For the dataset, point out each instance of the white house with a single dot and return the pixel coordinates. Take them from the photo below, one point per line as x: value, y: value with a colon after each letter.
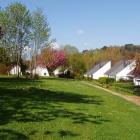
x: 57, y: 71
x: 122, y: 70
x: 99, y: 70
x: 41, y: 71
x: 136, y: 81
x: 15, y: 70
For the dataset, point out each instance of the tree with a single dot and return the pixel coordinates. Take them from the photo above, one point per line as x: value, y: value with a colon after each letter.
x: 51, y: 59
x: 69, y: 49
x: 4, y: 61
x: 4, y: 56
x: 16, y: 24
x: 40, y: 32
x: 76, y: 64
x: 1, y: 33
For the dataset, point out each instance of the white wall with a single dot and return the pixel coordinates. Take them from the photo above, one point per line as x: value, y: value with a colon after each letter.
x: 56, y: 72
x: 124, y: 73
x: 136, y: 81
x: 41, y: 71
x: 101, y: 72
x: 14, y: 70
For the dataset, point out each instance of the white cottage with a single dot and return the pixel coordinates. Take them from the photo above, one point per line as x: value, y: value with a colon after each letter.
x: 122, y: 70
x: 99, y: 70
x: 56, y: 72
x: 15, y: 70
x: 136, y: 81
x: 41, y: 71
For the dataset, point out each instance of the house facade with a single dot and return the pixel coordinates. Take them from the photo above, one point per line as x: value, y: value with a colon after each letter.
x: 122, y: 70
x: 98, y: 70
x: 136, y: 81
x: 41, y: 71
x: 57, y: 71
x: 15, y: 70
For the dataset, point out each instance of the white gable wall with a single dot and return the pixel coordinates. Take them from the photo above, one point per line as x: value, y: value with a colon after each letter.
x: 136, y: 81
x: 124, y: 73
x: 41, y: 71
x: 14, y: 70
x: 101, y: 72
x: 56, y: 72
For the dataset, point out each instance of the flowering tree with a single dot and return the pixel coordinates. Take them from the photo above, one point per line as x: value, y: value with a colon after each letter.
x: 51, y: 59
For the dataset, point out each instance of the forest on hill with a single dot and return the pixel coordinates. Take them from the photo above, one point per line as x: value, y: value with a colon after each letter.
x: 113, y: 53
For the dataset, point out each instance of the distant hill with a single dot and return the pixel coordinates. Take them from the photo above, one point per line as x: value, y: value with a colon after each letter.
x: 114, y: 53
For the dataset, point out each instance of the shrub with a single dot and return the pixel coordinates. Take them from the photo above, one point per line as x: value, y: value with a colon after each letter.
x: 124, y: 80
x: 78, y: 76
x: 110, y: 80
x: 4, y: 69
x: 106, y: 80
x: 66, y: 75
x: 27, y: 75
x: 36, y: 76
x: 87, y: 78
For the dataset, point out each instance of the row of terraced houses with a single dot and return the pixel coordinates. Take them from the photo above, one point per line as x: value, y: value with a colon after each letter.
x: 124, y: 69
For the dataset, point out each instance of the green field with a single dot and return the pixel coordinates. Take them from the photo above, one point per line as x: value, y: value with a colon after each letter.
x: 57, y: 109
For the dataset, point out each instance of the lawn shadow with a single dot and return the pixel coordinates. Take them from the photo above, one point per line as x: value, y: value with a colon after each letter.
x: 63, y: 133
x: 7, y: 134
x: 32, y: 104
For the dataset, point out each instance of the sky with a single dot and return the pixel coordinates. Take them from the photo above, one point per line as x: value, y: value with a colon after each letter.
x: 89, y: 24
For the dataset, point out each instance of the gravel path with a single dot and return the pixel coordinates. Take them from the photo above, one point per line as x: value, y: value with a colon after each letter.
x: 133, y: 99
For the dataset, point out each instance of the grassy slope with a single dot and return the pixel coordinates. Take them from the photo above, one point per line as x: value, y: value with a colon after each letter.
x: 126, y: 88
x: 64, y: 109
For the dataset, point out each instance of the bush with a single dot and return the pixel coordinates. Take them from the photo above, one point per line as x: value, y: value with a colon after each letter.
x: 137, y: 91
x: 78, y: 76
x: 110, y: 80
x: 87, y: 78
x: 36, y: 76
x: 68, y: 74
x: 106, y: 80
x: 4, y: 69
x: 124, y: 80
x: 27, y: 75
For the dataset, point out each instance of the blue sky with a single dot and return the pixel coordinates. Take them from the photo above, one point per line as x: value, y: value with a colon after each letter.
x: 90, y: 23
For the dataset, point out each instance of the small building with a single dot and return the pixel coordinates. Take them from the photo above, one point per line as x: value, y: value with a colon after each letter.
x: 136, y: 81
x: 98, y: 70
x: 15, y: 70
x: 57, y: 72
x: 41, y: 71
x: 122, y: 70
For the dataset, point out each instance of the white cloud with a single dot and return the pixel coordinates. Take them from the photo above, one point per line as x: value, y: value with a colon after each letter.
x: 86, y: 44
x: 80, y: 32
x: 55, y: 45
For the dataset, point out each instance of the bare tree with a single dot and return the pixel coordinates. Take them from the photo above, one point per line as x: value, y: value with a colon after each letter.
x: 40, y: 32
x: 16, y: 21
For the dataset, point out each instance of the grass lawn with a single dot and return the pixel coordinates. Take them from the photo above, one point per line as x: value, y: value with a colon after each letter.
x: 57, y: 109
x: 126, y: 88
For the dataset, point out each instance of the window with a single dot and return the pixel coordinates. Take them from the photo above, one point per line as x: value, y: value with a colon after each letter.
x: 44, y: 73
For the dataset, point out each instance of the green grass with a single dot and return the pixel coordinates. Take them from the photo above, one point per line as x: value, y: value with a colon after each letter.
x: 126, y: 88
x: 57, y: 109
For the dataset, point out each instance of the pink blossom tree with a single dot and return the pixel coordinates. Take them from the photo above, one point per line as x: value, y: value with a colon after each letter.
x: 51, y: 59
